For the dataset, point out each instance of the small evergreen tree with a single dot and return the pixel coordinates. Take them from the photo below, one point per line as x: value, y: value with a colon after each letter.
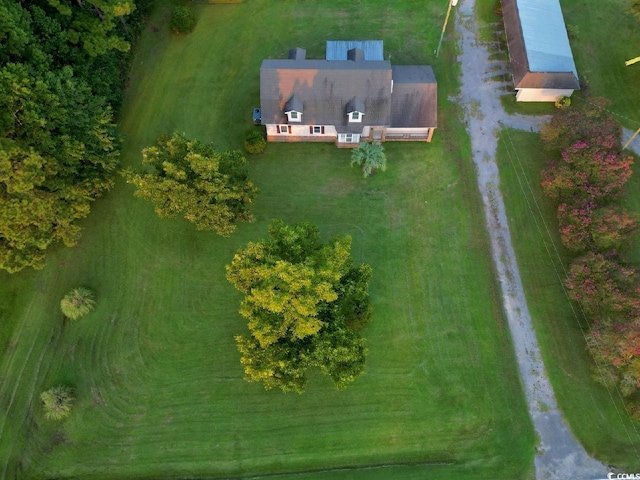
x: 58, y: 402
x: 254, y: 142
x: 371, y: 156
x: 183, y: 20
x: 77, y: 303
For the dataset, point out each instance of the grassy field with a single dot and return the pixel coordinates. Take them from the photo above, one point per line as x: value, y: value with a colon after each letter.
x: 159, y: 384
x: 596, y: 415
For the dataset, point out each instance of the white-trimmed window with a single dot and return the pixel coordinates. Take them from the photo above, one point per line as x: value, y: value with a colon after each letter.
x: 348, y: 137
x: 294, y: 116
x: 355, y: 117
x: 283, y: 128
x: 316, y: 129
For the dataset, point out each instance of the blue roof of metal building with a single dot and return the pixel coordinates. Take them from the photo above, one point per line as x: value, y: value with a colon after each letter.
x: 545, y: 36
x: 337, y: 49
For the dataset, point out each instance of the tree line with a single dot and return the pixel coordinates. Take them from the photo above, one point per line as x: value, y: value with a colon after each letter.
x: 63, y: 65
x: 586, y: 177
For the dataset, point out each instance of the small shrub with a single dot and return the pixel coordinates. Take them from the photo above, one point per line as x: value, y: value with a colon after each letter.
x: 254, y: 142
x: 77, y: 303
x: 57, y: 402
x: 573, y: 31
x: 563, y: 102
x: 183, y: 20
x: 371, y: 156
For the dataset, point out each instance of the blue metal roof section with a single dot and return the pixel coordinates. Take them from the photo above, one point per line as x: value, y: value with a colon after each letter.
x: 545, y: 36
x: 337, y: 49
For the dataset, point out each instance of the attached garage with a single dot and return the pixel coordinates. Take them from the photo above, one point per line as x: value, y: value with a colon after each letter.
x: 541, y: 59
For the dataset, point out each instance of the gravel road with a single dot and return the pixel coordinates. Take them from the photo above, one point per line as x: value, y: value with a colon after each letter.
x: 559, y: 456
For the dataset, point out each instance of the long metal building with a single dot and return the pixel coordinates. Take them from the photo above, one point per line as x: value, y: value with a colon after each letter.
x: 541, y: 60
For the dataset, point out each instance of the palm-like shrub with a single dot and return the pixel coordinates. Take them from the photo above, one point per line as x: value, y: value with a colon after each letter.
x: 77, y: 303
x: 58, y: 402
x: 371, y: 156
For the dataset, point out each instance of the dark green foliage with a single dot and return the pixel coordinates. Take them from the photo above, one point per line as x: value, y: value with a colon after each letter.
x: 191, y: 178
x: 57, y: 154
x: 254, y: 142
x: 62, y: 65
x: 301, y: 297
x: 183, y: 20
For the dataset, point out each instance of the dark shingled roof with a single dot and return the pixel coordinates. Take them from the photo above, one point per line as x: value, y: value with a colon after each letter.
x: 294, y: 104
x: 522, y: 75
x: 414, y: 100
x: 325, y: 87
x: 355, y: 105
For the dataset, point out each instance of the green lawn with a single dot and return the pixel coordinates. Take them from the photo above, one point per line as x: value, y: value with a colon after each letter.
x: 160, y: 389
x: 596, y: 415
x: 605, y: 36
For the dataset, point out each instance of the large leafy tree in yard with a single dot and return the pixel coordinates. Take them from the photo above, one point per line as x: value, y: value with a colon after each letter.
x: 605, y: 289
x: 190, y: 178
x: 302, y: 300
x: 586, y: 227
x: 588, y: 171
x: 588, y: 121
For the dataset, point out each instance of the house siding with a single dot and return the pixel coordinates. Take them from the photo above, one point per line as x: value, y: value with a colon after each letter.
x: 300, y: 133
x: 541, y: 94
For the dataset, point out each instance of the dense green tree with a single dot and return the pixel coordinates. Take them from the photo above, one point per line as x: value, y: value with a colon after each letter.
x: 301, y: 298
x: 92, y: 23
x: 57, y: 154
x: 62, y: 67
x: 183, y: 20
x: 209, y: 188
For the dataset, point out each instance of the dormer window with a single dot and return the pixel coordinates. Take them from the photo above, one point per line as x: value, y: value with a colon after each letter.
x: 355, y: 110
x: 294, y: 116
x: 355, y: 117
x: 293, y: 108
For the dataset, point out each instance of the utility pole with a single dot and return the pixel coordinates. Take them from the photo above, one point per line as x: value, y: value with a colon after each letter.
x: 627, y: 63
x: 452, y: 3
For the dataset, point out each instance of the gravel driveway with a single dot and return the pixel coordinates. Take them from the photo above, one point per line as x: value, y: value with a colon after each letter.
x: 559, y: 456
